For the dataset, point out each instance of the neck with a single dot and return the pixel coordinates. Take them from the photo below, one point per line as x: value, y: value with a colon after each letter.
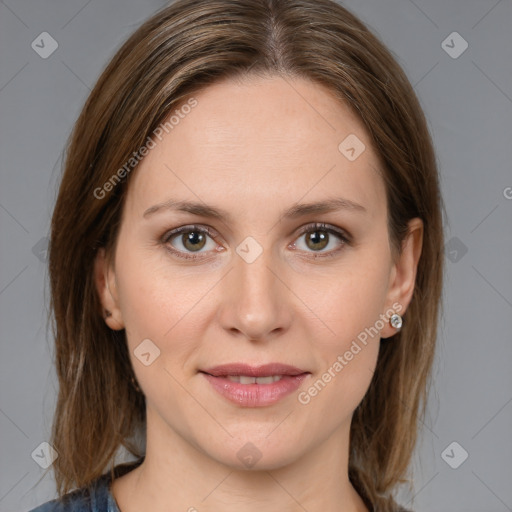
x: 175, y: 475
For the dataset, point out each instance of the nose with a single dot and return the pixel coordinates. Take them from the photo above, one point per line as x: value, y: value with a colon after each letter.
x: 256, y: 300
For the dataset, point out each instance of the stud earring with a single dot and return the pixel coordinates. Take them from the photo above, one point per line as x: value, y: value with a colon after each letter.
x: 396, y: 321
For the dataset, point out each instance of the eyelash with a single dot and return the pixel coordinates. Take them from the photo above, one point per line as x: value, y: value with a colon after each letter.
x: 316, y: 226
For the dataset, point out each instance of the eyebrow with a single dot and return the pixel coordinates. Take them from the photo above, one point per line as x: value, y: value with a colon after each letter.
x: 296, y: 211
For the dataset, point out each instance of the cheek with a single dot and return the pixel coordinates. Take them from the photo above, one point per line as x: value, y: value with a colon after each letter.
x: 349, y: 298
x: 347, y: 313
x: 347, y: 351
x: 161, y: 304
x: 333, y: 394
x: 156, y: 307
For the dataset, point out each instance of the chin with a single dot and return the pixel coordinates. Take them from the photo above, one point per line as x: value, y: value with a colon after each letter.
x: 254, y: 453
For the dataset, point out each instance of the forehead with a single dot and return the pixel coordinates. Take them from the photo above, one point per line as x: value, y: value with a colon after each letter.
x: 258, y: 142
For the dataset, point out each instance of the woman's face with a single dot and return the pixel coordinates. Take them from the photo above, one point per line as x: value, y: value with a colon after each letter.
x: 251, y: 280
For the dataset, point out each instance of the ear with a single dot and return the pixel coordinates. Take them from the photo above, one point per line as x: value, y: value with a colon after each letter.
x: 104, y: 278
x: 403, y: 274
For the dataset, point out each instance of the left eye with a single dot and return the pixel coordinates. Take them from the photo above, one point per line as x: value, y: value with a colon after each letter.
x: 319, y: 237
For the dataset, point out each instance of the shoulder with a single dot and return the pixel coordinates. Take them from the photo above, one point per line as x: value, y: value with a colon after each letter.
x: 94, y: 498
x: 76, y: 501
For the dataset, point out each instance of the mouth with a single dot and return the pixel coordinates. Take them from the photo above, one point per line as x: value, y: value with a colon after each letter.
x: 254, y: 386
x: 245, y: 370
x: 246, y: 379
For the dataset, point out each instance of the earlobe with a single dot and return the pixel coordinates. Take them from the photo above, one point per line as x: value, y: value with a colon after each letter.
x: 104, y: 278
x: 403, y: 274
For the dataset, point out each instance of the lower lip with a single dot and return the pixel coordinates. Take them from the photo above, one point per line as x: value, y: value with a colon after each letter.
x: 255, y: 395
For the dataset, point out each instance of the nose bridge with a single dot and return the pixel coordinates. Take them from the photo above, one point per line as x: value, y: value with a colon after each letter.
x: 254, y: 302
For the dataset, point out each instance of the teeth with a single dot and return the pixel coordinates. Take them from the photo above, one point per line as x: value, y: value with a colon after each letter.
x: 244, y: 379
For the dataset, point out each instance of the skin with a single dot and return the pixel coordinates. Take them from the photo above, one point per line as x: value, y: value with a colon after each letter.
x: 253, y: 149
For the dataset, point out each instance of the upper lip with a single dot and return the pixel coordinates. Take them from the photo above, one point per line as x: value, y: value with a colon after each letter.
x: 265, y: 370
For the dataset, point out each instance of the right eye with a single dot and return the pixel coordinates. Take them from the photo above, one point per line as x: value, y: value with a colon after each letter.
x: 184, y: 241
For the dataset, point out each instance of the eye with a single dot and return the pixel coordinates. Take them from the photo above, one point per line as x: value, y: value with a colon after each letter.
x: 319, y: 236
x: 186, y: 240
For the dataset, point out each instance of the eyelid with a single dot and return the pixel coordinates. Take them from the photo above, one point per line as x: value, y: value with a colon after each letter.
x: 191, y: 227
x: 344, y: 235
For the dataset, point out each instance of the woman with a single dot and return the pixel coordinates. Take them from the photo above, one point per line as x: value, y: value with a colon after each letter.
x: 246, y: 267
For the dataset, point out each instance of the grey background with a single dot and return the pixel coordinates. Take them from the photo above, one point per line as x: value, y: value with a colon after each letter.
x: 468, y: 103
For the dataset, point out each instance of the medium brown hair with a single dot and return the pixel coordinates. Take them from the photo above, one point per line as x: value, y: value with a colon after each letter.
x: 185, y: 47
